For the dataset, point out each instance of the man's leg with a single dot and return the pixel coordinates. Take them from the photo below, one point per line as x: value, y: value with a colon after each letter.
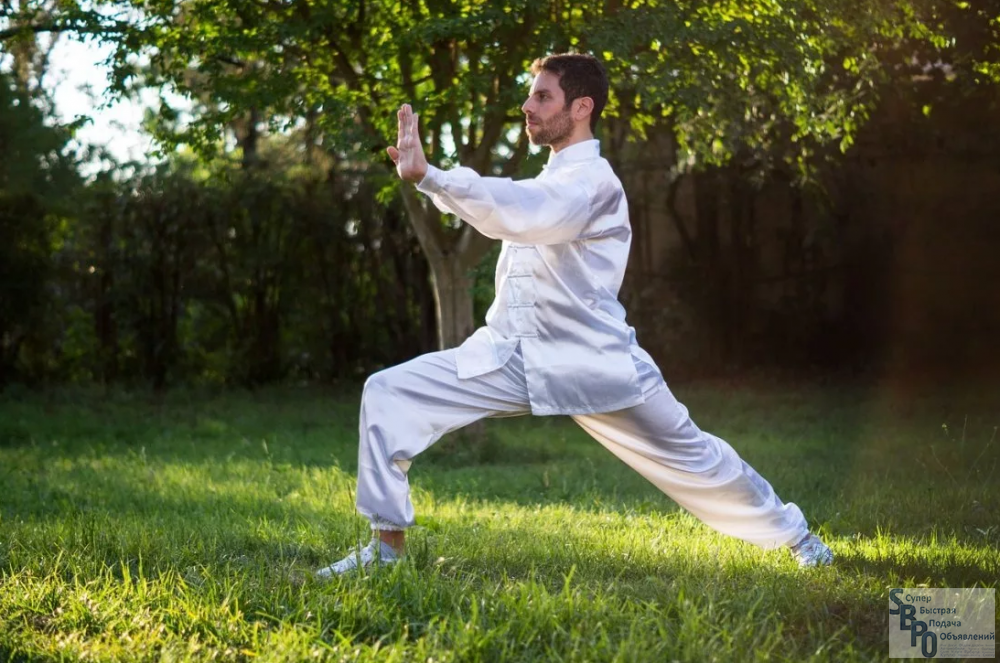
x: 407, y: 408
x: 699, y: 471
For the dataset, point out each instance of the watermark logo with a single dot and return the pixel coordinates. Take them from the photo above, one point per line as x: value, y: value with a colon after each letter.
x: 942, y: 623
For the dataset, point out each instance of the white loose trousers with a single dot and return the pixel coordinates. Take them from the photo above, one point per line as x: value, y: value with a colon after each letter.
x: 406, y: 408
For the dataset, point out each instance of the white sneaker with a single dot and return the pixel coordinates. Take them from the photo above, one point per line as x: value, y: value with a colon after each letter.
x: 376, y: 552
x: 810, y: 551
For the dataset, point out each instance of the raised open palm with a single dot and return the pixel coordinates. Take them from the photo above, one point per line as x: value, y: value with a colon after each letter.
x: 408, y: 155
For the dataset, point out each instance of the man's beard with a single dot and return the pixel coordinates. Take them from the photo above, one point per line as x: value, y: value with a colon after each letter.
x: 554, y: 131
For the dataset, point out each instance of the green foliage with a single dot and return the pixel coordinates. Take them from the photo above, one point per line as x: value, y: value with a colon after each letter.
x: 34, y: 154
x: 208, y: 272
x: 484, y: 290
x: 765, y: 81
x: 346, y: 66
x: 965, y: 65
x: 25, y: 257
x: 38, y: 182
x: 775, y: 79
x: 187, y: 527
x: 301, y: 263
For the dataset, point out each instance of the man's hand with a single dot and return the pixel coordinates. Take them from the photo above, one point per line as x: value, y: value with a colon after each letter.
x: 408, y: 155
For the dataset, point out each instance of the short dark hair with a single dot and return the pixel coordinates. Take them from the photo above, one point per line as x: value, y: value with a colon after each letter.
x: 579, y: 76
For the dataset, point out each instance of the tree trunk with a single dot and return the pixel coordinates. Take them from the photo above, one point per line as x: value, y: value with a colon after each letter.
x: 452, y: 256
x: 105, y: 324
x: 452, y: 283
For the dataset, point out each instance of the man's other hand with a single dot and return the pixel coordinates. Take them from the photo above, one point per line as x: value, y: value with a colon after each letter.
x: 408, y: 155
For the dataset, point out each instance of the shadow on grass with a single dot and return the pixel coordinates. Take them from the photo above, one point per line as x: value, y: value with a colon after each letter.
x: 631, y: 562
x: 580, y: 474
x: 223, y: 518
x: 12, y: 656
x: 826, y: 450
x: 914, y: 572
x: 732, y: 582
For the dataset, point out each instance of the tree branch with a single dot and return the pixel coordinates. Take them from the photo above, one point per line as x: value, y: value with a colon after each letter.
x: 22, y: 30
x: 516, y: 159
x: 228, y: 60
x: 675, y: 216
x: 426, y: 225
x: 471, y: 246
x: 58, y: 26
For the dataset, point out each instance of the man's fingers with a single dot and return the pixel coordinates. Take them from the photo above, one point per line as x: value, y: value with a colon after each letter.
x: 393, y: 153
x: 406, y: 128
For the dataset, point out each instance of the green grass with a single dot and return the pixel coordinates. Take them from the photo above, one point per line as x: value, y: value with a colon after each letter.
x: 186, y: 528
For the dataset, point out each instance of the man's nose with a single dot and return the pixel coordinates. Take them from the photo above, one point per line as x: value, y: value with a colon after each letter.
x: 524, y: 106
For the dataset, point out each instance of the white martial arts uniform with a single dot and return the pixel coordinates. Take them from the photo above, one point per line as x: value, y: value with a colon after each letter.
x: 556, y: 342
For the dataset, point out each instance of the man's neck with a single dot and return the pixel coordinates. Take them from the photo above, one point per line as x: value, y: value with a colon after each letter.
x: 572, y: 140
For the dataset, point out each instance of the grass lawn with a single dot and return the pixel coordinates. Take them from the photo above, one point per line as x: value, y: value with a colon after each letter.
x: 186, y: 528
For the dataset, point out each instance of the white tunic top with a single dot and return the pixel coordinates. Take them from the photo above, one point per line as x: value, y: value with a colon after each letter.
x: 566, y: 238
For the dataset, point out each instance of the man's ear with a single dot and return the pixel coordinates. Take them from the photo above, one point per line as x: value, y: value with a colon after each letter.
x: 582, y: 108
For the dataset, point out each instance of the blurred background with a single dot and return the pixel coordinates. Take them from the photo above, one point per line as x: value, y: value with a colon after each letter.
x: 196, y: 192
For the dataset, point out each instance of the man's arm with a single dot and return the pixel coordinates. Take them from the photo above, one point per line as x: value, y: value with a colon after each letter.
x: 528, y: 212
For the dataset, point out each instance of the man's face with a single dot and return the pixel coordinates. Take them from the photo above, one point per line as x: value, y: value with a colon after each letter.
x: 548, y: 119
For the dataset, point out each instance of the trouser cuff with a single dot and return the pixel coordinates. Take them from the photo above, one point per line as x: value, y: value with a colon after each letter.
x: 385, y: 526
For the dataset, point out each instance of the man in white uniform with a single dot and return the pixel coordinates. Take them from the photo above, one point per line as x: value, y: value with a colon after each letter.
x: 555, y: 340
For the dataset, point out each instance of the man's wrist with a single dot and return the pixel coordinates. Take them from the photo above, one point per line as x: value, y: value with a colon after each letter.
x: 432, y: 181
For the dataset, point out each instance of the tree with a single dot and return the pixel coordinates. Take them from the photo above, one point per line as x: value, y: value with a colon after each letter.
x: 748, y: 92
x: 347, y: 66
x: 37, y: 180
x: 773, y: 81
x: 29, y: 50
x: 762, y: 80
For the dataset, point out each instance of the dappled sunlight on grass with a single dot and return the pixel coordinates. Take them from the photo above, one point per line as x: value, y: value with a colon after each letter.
x: 190, y: 530
x: 903, y: 561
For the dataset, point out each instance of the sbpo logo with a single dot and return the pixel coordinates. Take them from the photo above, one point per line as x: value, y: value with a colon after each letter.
x: 942, y: 622
x: 917, y: 628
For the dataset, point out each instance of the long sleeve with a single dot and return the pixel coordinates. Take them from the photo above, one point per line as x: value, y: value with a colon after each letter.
x: 535, y: 211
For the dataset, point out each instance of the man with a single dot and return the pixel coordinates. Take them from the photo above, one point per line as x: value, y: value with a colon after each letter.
x: 555, y: 340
